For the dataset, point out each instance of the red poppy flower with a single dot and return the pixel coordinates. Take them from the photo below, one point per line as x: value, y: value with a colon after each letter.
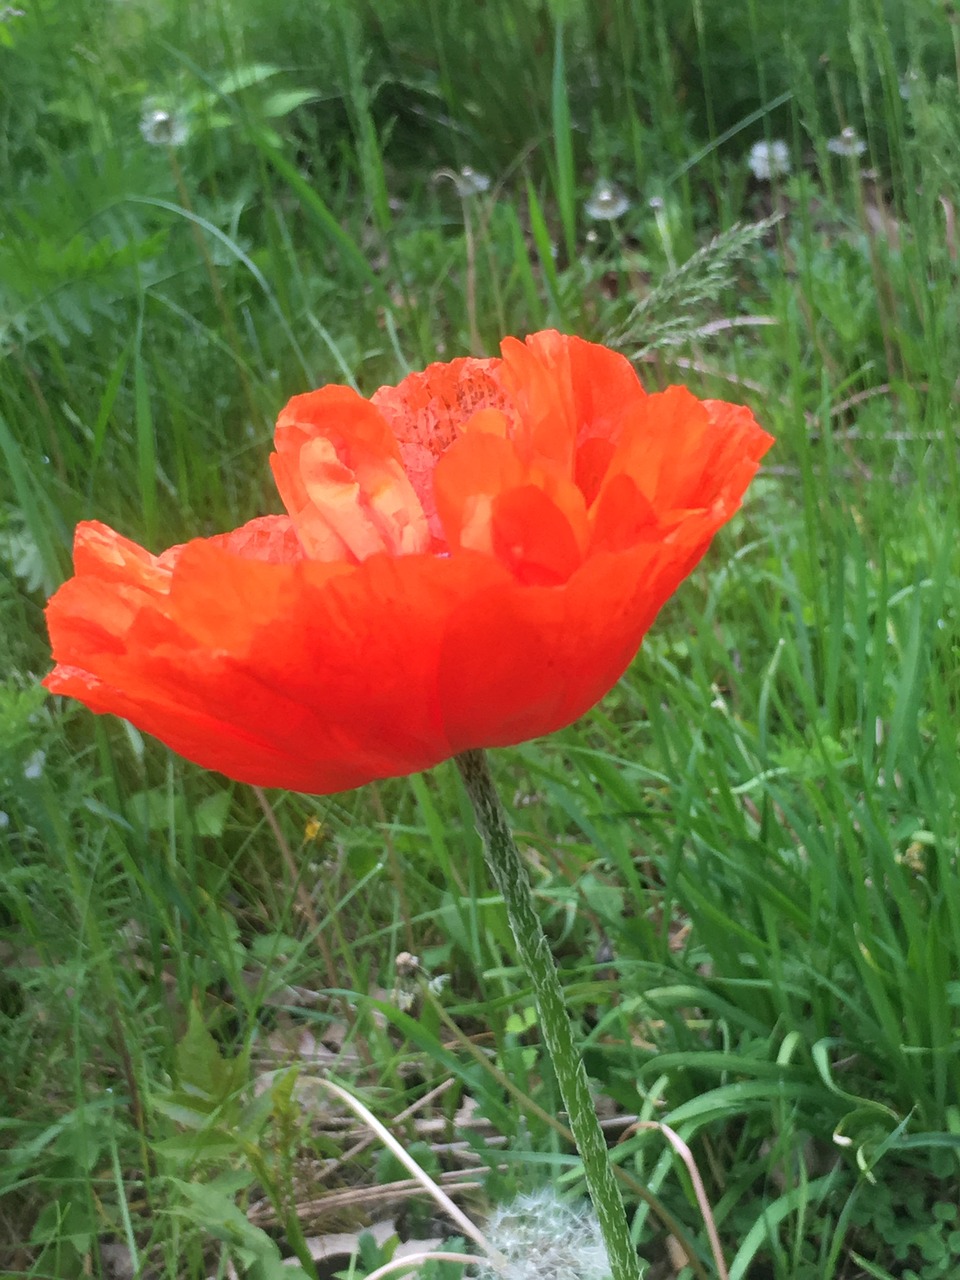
x: 468, y: 559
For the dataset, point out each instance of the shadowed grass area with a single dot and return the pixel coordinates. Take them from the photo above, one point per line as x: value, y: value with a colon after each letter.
x: 745, y: 858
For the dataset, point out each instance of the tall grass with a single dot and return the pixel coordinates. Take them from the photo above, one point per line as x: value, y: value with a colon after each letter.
x: 746, y: 857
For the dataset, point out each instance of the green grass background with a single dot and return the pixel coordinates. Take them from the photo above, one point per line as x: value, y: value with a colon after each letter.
x: 746, y: 857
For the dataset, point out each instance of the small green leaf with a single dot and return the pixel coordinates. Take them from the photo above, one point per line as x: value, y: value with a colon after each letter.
x: 284, y: 101
x: 244, y: 77
x: 518, y: 1023
x: 211, y: 1146
x: 154, y: 809
x: 211, y: 1206
x: 210, y: 815
x: 65, y: 1224
x: 200, y: 1067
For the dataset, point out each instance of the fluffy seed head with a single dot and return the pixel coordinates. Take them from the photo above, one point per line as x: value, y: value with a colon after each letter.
x: 542, y: 1238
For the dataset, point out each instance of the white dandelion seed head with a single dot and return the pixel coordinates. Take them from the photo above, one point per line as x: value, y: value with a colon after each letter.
x: 4, y: 819
x: 469, y: 182
x: 34, y: 766
x: 606, y: 202
x: 542, y: 1238
x: 849, y: 143
x: 907, y: 83
x: 768, y: 160
x: 404, y: 1000
x: 162, y: 127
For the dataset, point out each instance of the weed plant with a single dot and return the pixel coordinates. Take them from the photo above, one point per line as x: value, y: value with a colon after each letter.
x: 746, y: 857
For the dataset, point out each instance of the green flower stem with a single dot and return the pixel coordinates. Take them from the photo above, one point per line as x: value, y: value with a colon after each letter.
x: 509, y: 872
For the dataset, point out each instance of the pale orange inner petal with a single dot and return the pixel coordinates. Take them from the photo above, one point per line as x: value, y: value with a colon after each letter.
x: 100, y: 552
x: 466, y: 479
x: 269, y: 538
x: 339, y: 473
x: 370, y: 506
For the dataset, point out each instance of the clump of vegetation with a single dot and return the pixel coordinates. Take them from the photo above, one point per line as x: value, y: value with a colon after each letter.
x: 745, y: 857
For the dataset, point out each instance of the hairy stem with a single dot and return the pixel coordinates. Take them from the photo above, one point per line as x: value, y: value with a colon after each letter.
x: 509, y: 872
